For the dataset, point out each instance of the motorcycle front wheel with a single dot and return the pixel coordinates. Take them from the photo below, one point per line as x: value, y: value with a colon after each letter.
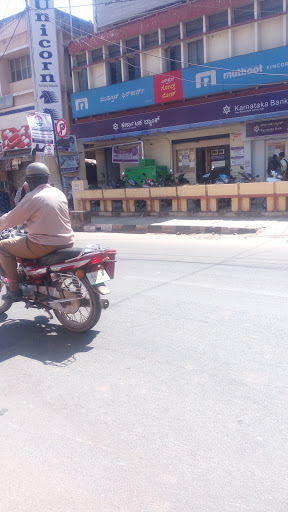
x: 4, y: 304
x: 89, y: 311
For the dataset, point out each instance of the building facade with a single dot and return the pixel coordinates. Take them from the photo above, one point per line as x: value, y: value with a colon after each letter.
x: 104, y: 15
x: 199, y: 85
x: 17, y: 93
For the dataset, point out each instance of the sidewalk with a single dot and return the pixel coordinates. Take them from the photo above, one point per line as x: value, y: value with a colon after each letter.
x: 272, y: 226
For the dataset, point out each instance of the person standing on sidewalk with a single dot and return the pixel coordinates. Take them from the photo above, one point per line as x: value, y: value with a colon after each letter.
x: 45, y: 211
x: 284, y: 165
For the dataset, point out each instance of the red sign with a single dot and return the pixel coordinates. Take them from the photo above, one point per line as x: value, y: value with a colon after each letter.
x: 16, y: 138
x: 168, y: 87
x: 61, y: 128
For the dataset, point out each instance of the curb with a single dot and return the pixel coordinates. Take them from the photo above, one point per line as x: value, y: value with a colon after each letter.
x: 173, y: 230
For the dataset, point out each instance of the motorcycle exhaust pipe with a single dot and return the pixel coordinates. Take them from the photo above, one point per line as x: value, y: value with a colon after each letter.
x: 105, y: 303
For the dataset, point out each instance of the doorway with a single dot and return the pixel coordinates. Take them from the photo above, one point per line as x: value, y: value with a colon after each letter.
x: 112, y: 170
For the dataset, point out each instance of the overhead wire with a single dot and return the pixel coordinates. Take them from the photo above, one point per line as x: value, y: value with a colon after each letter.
x: 151, y: 73
x: 10, y: 39
x: 7, y: 6
x: 189, y: 64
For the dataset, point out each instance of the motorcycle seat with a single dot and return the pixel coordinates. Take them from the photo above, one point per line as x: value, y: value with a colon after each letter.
x: 57, y: 257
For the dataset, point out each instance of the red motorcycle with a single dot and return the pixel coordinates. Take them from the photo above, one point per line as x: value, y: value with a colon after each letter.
x: 69, y: 282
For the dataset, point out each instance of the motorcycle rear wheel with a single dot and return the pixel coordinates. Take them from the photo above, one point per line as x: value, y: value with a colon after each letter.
x: 4, y: 304
x: 87, y: 315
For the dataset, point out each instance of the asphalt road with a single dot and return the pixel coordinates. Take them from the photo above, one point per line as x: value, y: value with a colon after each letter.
x: 175, y: 402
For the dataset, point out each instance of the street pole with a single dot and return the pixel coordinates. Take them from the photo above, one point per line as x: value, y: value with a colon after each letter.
x: 71, y: 25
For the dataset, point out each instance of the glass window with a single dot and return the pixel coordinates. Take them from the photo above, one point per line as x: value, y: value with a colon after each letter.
x: 97, y: 55
x: 172, y: 33
x: 196, y: 52
x: 20, y: 68
x: 134, y: 70
x: 132, y: 44
x: 270, y: 7
x: 218, y: 20
x: 114, y: 50
x: 244, y: 13
x: 83, y: 80
x: 195, y: 27
x: 151, y: 40
x: 174, y: 56
x: 81, y: 59
x: 115, y: 73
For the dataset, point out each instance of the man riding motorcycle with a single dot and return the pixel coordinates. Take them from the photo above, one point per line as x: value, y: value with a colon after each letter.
x: 45, y: 211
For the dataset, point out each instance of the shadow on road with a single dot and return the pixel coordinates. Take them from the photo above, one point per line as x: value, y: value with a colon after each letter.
x: 39, y: 339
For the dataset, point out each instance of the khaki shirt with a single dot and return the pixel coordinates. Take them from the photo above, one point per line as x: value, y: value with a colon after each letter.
x: 45, y: 211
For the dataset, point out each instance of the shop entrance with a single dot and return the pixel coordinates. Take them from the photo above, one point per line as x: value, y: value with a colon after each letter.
x: 197, y: 157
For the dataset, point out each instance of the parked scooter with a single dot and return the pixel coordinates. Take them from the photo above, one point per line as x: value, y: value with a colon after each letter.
x: 273, y: 176
x: 69, y: 282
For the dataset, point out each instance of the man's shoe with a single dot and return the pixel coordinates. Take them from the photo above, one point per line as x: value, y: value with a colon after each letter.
x: 15, y: 296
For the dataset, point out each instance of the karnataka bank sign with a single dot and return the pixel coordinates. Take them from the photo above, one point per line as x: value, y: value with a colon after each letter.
x: 45, y: 64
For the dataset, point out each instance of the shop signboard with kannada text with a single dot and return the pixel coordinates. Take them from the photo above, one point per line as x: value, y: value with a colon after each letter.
x: 254, y: 69
x: 41, y: 129
x: 132, y: 94
x: 44, y: 53
x: 267, y: 128
x: 202, y: 114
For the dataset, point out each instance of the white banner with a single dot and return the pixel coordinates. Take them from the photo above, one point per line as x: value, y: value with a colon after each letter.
x: 41, y: 130
x: 44, y: 58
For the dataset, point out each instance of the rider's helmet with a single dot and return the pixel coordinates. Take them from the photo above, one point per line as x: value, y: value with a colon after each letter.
x: 37, y: 169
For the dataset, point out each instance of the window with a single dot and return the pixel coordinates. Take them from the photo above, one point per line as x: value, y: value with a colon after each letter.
x: 81, y: 59
x: 174, y: 56
x: 20, y: 68
x: 270, y: 7
x: 151, y: 40
x: 83, y: 80
x: 97, y: 55
x: 196, y: 52
x: 115, y: 74
x: 132, y: 44
x: 172, y: 34
x: 244, y: 13
x: 114, y: 50
x: 195, y: 27
x: 134, y: 70
x: 218, y: 20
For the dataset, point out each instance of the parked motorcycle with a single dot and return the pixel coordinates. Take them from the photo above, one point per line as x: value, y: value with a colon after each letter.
x: 181, y: 180
x: 69, y: 282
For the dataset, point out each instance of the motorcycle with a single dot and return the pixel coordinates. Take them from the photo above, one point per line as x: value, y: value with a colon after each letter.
x: 69, y: 282
x: 247, y: 177
x: 182, y: 180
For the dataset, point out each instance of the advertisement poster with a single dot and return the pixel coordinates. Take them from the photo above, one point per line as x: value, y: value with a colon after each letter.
x: 168, y: 87
x: 69, y: 163
x: 41, y: 130
x: 44, y: 53
x: 120, y: 155
x: 67, y: 144
x: 15, y: 138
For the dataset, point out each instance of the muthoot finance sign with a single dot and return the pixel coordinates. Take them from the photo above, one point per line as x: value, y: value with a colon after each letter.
x: 44, y: 57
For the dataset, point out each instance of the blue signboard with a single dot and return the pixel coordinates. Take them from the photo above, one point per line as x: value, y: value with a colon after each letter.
x: 250, y: 70
x: 126, y: 95
x: 265, y: 67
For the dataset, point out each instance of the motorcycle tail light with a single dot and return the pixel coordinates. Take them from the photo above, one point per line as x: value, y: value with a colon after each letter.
x: 95, y: 260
